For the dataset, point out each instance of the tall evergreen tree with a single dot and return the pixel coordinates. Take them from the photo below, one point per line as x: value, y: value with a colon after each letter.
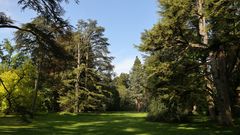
x: 137, y: 84
x: 193, y: 30
x: 122, y: 83
x: 93, y: 69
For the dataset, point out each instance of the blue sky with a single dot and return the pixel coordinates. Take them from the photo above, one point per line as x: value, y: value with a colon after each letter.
x: 124, y: 21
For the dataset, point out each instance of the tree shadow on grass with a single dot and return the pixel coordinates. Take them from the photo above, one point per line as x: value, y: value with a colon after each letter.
x: 108, y: 124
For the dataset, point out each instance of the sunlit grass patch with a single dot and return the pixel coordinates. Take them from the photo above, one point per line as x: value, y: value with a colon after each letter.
x: 117, y: 123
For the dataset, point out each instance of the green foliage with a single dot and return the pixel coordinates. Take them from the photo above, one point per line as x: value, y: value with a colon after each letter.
x: 60, y: 77
x: 137, y: 86
x: 157, y: 111
x: 174, y: 77
x: 87, y: 80
x: 16, y: 87
x: 193, y: 42
x: 171, y: 82
x: 136, y: 78
x: 122, y: 83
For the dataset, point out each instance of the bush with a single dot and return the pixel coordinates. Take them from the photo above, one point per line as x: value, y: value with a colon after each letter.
x: 156, y: 110
x: 159, y: 111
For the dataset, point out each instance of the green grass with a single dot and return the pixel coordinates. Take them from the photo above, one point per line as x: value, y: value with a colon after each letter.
x: 107, y: 124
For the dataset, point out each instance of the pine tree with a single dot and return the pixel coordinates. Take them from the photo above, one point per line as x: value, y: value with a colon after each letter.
x: 137, y: 85
x: 92, y: 69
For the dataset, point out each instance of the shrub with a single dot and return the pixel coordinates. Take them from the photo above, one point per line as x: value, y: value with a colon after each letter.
x: 158, y: 110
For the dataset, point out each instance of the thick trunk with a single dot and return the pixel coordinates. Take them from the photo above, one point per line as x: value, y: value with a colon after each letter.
x: 204, y: 40
x: 219, y: 73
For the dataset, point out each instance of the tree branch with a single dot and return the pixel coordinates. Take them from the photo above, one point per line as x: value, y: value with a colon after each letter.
x: 197, y: 46
x: 16, y: 27
x: 4, y: 86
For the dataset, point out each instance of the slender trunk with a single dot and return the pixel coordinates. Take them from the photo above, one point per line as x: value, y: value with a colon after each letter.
x: 86, y: 68
x: 36, y: 88
x: 219, y: 73
x: 77, y: 81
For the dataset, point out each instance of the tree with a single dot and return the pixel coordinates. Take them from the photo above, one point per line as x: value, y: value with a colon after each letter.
x: 15, y: 79
x: 137, y: 84
x: 174, y: 82
x: 42, y: 48
x: 224, y: 55
x: 194, y: 30
x: 51, y: 13
x: 122, y: 83
x: 92, y: 68
x: 172, y: 65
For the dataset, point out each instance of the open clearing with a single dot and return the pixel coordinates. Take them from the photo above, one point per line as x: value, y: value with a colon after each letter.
x: 107, y: 124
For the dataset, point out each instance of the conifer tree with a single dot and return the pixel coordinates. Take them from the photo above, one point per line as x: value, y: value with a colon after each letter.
x: 137, y: 84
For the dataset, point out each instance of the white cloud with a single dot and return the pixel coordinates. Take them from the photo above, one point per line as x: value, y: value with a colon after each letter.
x: 124, y: 66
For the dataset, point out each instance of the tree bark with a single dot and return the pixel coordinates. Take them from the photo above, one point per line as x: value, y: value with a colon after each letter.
x: 77, y: 81
x: 202, y: 22
x: 86, y: 68
x: 204, y: 41
x: 210, y: 98
x: 36, y: 87
x: 220, y: 78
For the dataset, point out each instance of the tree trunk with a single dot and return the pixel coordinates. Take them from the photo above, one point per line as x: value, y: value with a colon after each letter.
x: 210, y: 99
x: 204, y: 40
x: 210, y: 91
x: 77, y: 81
x: 202, y: 22
x: 36, y: 88
x: 8, y: 110
x: 219, y: 73
x: 86, y: 68
x: 211, y: 108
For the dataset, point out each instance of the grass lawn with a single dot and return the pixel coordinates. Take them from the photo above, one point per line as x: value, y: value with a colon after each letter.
x: 107, y: 124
